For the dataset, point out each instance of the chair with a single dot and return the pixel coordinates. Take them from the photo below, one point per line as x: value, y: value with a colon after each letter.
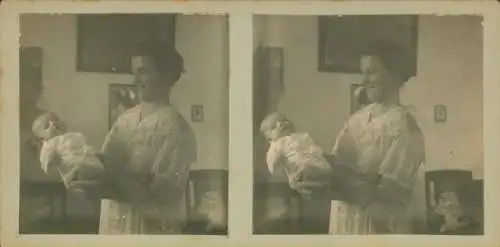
x: 468, y: 191
x: 56, y: 193
x: 207, y: 202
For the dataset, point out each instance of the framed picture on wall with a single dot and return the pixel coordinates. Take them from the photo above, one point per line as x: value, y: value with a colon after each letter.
x: 358, y: 98
x: 121, y: 98
x: 105, y: 42
x: 30, y: 58
x: 341, y: 39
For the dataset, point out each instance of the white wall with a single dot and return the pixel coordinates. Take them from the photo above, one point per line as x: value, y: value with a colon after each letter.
x: 81, y: 99
x: 449, y: 73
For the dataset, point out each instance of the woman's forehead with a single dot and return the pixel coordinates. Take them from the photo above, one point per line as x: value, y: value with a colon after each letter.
x: 142, y: 61
x: 371, y: 62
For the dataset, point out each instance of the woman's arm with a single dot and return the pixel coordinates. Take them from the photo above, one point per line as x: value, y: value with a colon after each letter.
x: 398, y: 173
x: 352, y: 186
x: 348, y: 184
x: 126, y: 186
x: 118, y: 184
x: 112, y: 148
x: 169, y: 171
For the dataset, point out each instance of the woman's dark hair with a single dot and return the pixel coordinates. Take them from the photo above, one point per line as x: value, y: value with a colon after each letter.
x: 394, y: 57
x: 164, y: 55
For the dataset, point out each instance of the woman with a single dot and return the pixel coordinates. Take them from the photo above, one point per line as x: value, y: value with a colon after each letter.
x: 149, y: 151
x: 381, y: 140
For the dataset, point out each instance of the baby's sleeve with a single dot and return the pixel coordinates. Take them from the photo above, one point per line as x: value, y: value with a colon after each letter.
x: 274, y: 156
x: 48, y: 155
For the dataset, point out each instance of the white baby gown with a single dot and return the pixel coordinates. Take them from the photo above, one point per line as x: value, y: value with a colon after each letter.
x: 71, y: 156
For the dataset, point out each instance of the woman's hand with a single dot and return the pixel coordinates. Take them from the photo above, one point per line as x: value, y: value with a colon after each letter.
x: 308, y: 189
x: 81, y: 185
x: 353, y: 186
x: 127, y: 186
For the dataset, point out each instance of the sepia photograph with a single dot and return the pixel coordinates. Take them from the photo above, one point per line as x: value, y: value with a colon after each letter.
x: 222, y: 123
x: 368, y: 124
x: 123, y: 124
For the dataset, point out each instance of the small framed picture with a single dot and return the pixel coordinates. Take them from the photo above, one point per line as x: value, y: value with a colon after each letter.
x: 358, y: 100
x: 440, y: 114
x: 197, y: 113
x: 121, y: 98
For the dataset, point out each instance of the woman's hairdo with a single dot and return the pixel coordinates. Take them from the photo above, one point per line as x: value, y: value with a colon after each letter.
x: 394, y: 57
x: 164, y: 55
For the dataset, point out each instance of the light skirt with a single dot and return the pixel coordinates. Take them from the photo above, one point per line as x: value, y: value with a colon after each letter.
x: 349, y: 219
x: 122, y: 218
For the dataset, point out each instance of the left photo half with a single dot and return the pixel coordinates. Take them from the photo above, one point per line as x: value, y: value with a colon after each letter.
x: 123, y: 124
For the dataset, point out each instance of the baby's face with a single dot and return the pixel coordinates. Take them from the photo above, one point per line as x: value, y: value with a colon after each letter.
x: 272, y: 134
x: 49, y: 126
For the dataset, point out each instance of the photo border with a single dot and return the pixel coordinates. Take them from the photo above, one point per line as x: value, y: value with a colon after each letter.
x: 241, y: 144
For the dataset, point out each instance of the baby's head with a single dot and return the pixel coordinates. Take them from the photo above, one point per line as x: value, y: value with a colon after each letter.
x: 48, y: 125
x: 275, y: 126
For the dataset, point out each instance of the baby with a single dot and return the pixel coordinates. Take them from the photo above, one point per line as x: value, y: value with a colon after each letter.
x: 295, y: 156
x: 67, y: 154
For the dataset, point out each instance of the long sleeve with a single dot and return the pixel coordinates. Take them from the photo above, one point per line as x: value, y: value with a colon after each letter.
x: 398, y: 173
x: 169, y: 172
x: 113, y: 150
x: 119, y: 184
x: 343, y: 148
x: 347, y: 183
x: 274, y: 157
x: 48, y: 156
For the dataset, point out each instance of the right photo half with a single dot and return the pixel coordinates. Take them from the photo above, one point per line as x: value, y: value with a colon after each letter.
x: 368, y: 124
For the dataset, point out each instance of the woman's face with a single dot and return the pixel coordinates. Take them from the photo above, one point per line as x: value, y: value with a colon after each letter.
x: 152, y: 84
x: 376, y: 79
x: 272, y: 134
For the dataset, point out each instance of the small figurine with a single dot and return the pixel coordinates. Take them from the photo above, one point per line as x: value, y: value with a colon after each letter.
x: 449, y: 206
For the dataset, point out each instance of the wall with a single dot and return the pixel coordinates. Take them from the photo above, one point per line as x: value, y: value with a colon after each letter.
x: 81, y: 99
x: 449, y: 73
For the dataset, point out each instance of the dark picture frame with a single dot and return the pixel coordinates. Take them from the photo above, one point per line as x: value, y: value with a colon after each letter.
x: 197, y: 113
x: 106, y: 42
x: 440, y: 113
x: 121, y: 98
x: 30, y: 67
x: 341, y: 39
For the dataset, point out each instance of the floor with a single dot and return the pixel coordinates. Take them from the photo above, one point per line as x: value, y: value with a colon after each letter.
x: 91, y: 226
